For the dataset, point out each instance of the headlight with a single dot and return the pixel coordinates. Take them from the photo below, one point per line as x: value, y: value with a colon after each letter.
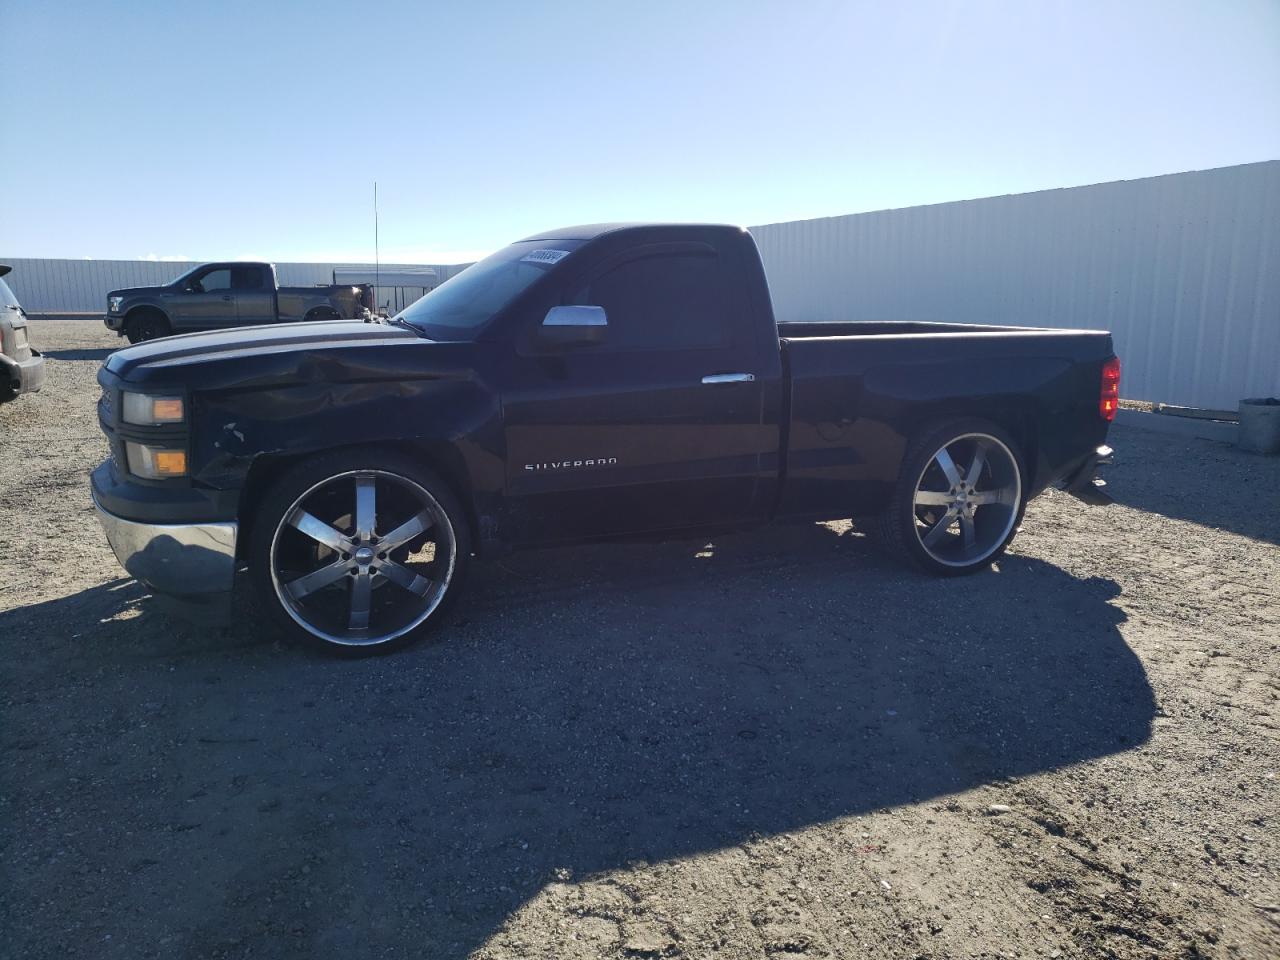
x: 148, y: 411
x: 113, y: 304
x: 155, y: 463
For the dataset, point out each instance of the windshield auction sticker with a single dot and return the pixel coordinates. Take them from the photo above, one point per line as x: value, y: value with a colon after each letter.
x: 546, y: 256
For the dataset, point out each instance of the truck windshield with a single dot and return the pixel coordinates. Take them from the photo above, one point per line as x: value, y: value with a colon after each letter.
x: 459, y: 307
x: 182, y: 276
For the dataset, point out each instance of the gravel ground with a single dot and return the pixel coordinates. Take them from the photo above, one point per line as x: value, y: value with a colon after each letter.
x: 778, y: 744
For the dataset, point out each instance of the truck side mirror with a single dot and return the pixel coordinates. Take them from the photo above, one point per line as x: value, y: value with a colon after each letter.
x: 573, y: 326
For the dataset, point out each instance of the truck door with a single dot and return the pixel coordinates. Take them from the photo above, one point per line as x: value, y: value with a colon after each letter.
x: 255, y: 294
x: 206, y: 300
x: 658, y: 427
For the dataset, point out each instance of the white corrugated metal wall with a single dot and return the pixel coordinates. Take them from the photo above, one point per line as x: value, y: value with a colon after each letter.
x: 80, y: 286
x: 1183, y: 269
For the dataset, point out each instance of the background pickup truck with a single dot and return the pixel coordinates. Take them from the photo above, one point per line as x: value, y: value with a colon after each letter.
x: 216, y: 295
x: 592, y: 382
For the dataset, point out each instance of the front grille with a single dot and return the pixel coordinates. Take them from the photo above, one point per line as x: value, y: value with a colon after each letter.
x: 107, y: 420
x: 118, y: 461
x: 106, y: 407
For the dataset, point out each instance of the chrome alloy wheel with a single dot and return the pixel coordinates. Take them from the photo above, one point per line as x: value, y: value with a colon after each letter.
x: 362, y: 557
x: 967, y: 499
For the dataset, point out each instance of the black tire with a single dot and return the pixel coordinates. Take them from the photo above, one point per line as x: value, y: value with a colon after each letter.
x: 321, y: 314
x: 143, y: 325
x: 905, y: 526
x: 395, y: 614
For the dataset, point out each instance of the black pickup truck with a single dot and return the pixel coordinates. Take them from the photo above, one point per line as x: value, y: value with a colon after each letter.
x: 216, y: 295
x: 593, y: 382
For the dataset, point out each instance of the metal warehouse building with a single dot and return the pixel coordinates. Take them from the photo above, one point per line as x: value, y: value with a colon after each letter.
x: 1184, y: 270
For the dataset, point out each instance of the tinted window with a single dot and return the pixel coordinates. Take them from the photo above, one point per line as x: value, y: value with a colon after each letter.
x: 216, y: 280
x: 7, y: 299
x: 460, y: 306
x: 246, y: 278
x: 670, y: 301
x: 181, y: 279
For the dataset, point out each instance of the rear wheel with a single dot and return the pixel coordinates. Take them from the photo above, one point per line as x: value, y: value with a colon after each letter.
x: 958, y: 499
x: 322, y: 314
x: 359, y: 552
x: 146, y: 325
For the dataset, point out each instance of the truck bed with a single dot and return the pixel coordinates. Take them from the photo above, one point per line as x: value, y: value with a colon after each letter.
x: 806, y: 330
x: 859, y: 387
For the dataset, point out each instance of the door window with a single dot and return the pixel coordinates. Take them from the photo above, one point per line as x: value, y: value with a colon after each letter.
x: 663, y: 302
x: 246, y: 278
x: 214, y: 280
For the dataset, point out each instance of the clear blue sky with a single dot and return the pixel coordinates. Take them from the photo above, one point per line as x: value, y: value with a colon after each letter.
x: 238, y: 129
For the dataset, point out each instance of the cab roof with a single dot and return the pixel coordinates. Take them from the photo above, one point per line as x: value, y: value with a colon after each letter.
x: 592, y: 230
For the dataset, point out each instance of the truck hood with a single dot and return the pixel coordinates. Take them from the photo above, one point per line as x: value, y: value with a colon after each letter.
x: 274, y: 355
x: 128, y: 292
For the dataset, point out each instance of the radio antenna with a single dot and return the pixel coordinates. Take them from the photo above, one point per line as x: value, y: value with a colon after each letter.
x: 377, y: 259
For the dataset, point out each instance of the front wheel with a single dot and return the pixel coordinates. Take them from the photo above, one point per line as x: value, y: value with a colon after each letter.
x: 359, y: 552
x: 958, y: 499
x: 145, y: 325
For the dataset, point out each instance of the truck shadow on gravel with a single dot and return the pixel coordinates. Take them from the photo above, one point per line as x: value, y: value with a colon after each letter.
x: 79, y: 354
x: 1200, y: 482
x: 588, y: 709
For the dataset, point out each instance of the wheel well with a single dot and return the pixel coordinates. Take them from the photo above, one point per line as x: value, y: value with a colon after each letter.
x: 1019, y: 422
x: 145, y: 309
x: 316, y: 312
x: 442, y: 458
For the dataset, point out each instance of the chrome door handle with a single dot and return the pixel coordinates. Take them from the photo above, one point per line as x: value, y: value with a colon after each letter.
x: 730, y: 378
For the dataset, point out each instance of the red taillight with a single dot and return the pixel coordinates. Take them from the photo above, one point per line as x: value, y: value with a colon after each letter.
x: 1109, y: 396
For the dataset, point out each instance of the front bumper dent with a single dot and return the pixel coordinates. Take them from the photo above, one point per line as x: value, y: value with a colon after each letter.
x: 180, y: 559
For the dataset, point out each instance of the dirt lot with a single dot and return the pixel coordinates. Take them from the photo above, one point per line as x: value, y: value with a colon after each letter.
x: 779, y: 744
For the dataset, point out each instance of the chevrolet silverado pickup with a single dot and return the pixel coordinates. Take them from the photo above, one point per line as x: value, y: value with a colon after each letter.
x: 216, y: 295
x: 598, y: 382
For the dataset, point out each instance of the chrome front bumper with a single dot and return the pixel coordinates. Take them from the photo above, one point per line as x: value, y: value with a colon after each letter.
x: 181, y: 559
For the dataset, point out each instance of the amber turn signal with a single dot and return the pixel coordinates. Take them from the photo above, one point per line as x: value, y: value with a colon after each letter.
x: 168, y: 409
x: 148, y: 411
x: 155, y: 463
x: 171, y: 463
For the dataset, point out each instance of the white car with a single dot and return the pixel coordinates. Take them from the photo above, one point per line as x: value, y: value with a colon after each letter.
x: 21, y: 367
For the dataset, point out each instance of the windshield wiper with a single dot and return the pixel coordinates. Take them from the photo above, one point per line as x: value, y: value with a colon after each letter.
x: 397, y: 321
